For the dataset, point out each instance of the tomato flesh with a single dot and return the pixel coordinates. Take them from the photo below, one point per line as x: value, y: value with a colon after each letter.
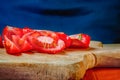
x: 15, y: 41
x: 46, y: 41
x: 1, y: 42
x: 11, y: 48
x: 19, y: 40
x: 80, y: 40
x: 65, y: 38
x: 27, y: 39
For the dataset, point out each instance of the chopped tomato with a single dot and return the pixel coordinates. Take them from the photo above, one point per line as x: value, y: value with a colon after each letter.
x: 19, y: 40
x: 15, y: 41
x: 22, y: 42
x: 11, y: 48
x: 1, y: 42
x: 9, y: 31
x: 80, y: 40
x: 26, y: 30
x: 65, y: 38
x: 46, y: 41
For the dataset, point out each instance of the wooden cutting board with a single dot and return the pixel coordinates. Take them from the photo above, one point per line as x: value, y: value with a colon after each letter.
x: 70, y: 64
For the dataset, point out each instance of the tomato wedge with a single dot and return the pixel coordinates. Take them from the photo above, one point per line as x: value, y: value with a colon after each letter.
x: 19, y: 40
x: 22, y: 42
x: 80, y: 40
x: 26, y: 30
x: 65, y: 38
x: 1, y: 42
x: 15, y: 41
x: 11, y: 48
x: 46, y: 42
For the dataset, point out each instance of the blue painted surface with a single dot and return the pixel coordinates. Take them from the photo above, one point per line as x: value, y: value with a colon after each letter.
x: 98, y: 18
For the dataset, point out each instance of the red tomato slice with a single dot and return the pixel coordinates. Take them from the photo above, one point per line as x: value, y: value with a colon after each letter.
x: 11, y: 48
x: 27, y: 30
x: 9, y: 31
x: 46, y: 41
x: 65, y: 38
x: 45, y: 38
x: 15, y: 41
x: 22, y: 42
x: 80, y: 40
x: 1, y: 42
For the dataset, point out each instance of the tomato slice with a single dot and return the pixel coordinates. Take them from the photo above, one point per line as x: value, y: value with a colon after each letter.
x: 80, y: 40
x: 45, y: 38
x: 15, y: 41
x: 22, y: 42
x: 1, y: 42
x: 9, y: 31
x: 27, y: 30
x: 19, y: 40
x: 11, y: 48
x: 65, y: 38
x: 46, y: 42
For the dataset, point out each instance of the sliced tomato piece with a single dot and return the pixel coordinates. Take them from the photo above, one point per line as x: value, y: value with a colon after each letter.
x: 46, y: 41
x: 27, y: 30
x: 11, y: 48
x: 45, y: 38
x: 9, y: 31
x: 65, y: 38
x: 15, y: 41
x: 1, y: 42
x: 22, y: 42
x: 80, y: 40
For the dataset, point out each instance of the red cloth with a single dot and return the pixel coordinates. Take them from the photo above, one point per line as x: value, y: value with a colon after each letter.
x: 102, y: 74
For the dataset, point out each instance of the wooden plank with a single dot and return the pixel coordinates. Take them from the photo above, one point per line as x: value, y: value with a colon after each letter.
x: 108, y: 56
x: 70, y: 64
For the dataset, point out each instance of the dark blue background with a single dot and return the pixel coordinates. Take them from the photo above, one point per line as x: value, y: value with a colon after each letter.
x: 98, y: 18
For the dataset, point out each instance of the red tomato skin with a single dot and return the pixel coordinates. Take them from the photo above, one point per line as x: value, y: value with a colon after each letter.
x: 82, y: 42
x: 65, y: 38
x: 11, y: 48
x: 1, y: 42
x: 55, y: 50
x: 27, y: 30
x: 22, y: 42
x: 47, y: 34
x: 86, y: 40
x: 25, y: 45
x: 19, y: 40
x: 8, y: 30
x: 55, y: 47
x: 15, y: 41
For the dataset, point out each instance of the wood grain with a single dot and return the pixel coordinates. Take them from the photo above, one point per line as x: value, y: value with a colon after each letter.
x: 108, y: 56
x: 70, y: 64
